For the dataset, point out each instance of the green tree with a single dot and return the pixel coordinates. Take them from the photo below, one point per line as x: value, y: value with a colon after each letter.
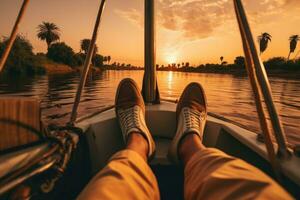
x: 108, y: 59
x: 62, y: 53
x: 223, y: 62
x: 105, y: 59
x: 49, y: 32
x: 98, y: 60
x: 293, y: 44
x: 264, y: 40
x: 239, y: 61
x: 79, y: 59
x: 85, y: 44
x: 21, y: 58
x: 276, y: 62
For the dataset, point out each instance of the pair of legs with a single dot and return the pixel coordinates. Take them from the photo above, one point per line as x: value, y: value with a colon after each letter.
x: 189, y: 145
x: 209, y: 173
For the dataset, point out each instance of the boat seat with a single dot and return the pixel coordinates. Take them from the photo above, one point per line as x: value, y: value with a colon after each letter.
x: 16, y: 110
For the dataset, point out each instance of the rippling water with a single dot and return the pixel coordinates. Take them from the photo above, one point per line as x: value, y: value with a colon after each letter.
x: 228, y: 95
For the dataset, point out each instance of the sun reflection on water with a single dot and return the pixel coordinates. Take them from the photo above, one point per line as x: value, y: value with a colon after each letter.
x: 170, y: 82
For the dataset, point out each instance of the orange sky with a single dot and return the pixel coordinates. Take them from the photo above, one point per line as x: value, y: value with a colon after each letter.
x: 198, y: 31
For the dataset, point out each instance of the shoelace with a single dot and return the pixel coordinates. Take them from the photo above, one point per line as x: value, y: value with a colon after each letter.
x: 192, y: 118
x: 130, y: 118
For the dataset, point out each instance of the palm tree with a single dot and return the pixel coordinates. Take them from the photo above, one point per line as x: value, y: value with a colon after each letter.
x: 49, y: 32
x: 104, y: 59
x: 108, y: 59
x: 293, y: 44
x: 263, y: 40
x: 221, y: 58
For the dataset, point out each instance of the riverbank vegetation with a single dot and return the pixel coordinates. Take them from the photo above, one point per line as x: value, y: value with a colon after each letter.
x: 274, y: 65
x: 61, y: 58
x: 21, y: 59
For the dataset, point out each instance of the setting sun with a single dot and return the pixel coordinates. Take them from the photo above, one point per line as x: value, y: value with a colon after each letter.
x: 171, y: 58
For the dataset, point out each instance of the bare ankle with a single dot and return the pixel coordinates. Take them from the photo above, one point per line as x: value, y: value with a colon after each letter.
x: 188, y: 146
x: 138, y: 143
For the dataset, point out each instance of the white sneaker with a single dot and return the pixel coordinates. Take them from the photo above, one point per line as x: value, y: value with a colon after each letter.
x: 130, y: 111
x: 191, y: 116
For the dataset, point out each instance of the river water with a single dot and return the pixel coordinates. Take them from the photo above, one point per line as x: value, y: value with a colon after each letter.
x: 228, y: 95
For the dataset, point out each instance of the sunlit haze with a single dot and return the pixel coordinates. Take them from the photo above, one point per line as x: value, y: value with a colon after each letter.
x: 195, y: 31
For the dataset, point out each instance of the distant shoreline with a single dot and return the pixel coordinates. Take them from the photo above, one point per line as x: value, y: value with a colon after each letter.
x: 240, y: 72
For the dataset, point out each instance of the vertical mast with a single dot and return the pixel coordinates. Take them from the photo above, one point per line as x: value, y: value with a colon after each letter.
x: 150, y: 91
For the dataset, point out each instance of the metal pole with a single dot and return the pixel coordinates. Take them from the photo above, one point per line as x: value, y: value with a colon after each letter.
x: 87, y: 63
x: 258, y: 102
x: 149, y: 82
x: 13, y: 34
x: 262, y: 80
x: 8, y: 185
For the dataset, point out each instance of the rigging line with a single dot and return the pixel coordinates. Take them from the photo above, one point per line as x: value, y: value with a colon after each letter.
x: 13, y: 34
x: 87, y: 63
x: 258, y: 100
x: 23, y: 125
x: 263, y: 83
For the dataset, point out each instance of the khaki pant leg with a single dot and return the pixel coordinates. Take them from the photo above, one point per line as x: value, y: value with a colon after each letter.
x: 212, y: 174
x: 127, y: 176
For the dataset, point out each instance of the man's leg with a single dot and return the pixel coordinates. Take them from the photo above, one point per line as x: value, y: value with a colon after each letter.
x: 127, y: 175
x: 210, y: 173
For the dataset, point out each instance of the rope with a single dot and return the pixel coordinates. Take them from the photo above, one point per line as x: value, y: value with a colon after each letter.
x: 23, y: 125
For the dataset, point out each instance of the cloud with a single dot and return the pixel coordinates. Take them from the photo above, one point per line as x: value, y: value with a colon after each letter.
x: 133, y: 16
x: 195, y: 19
x: 199, y: 19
